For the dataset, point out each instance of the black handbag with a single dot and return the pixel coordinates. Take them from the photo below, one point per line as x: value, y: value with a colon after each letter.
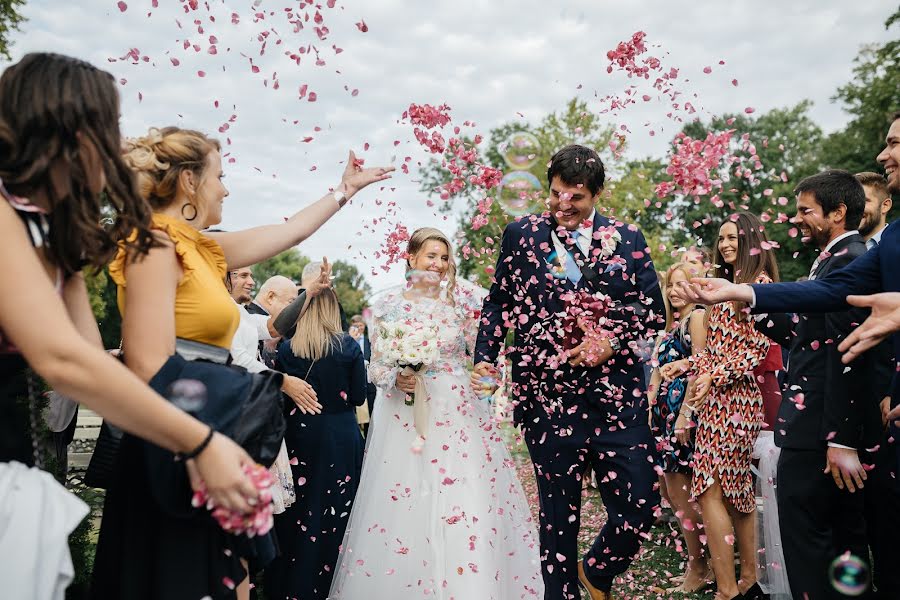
x: 247, y: 407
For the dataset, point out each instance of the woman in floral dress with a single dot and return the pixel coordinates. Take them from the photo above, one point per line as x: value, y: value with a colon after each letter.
x: 727, y: 407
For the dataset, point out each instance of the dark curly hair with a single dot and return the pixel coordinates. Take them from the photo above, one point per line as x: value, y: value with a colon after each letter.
x: 50, y: 105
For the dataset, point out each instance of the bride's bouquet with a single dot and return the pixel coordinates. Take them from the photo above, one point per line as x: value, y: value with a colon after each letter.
x: 409, y: 345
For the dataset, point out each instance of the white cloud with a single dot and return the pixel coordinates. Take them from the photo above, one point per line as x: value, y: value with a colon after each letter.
x: 489, y: 60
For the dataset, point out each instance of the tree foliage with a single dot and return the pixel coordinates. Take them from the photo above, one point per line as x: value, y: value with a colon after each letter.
x: 11, y: 20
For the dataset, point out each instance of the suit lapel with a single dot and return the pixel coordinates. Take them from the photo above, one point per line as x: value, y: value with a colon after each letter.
x: 838, y: 248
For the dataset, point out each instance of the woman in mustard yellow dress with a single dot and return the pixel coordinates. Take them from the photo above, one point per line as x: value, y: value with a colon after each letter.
x: 178, y: 291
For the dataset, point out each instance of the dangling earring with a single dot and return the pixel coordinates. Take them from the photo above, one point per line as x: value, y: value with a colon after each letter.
x: 192, y: 207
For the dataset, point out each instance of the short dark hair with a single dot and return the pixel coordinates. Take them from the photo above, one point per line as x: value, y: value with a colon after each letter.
x: 895, y: 115
x: 576, y: 165
x: 834, y: 187
x: 875, y: 181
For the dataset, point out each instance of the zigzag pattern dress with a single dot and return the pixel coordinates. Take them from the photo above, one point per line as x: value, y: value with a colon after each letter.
x: 729, y: 419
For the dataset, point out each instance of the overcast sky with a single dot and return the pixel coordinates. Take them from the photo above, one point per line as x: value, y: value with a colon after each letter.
x: 492, y: 61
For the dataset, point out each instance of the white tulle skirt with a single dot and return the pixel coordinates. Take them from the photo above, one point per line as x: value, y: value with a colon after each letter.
x: 770, y: 570
x: 443, y: 519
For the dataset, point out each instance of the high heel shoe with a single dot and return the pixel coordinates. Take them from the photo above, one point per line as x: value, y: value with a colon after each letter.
x: 754, y: 592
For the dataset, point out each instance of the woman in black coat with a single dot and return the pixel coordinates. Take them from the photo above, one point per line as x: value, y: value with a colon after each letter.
x: 326, y: 452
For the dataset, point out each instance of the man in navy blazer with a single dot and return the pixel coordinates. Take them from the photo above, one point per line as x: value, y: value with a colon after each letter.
x: 878, y: 270
x: 579, y: 400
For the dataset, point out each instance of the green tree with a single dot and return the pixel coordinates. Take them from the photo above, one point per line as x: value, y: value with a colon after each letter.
x: 350, y: 286
x: 103, y: 295
x: 573, y: 125
x: 11, y: 20
x: 869, y: 98
x: 289, y: 263
x: 787, y: 143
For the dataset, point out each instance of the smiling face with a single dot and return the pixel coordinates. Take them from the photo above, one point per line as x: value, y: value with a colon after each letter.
x: 675, y: 277
x: 815, y: 226
x: 211, y: 192
x: 889, y: 158
x: 432, y: 257
x: 572, y: 205
x: 242, y: 285
x: 728, y: 242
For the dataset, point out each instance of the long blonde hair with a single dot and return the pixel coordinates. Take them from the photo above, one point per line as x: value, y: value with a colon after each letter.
x: 426, y: 234
x: 159, y: 158
x: 318, y: 328
x: 689, y: 270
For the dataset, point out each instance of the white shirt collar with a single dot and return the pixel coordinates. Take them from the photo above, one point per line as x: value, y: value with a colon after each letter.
x: 589, y: 230
x: 877, y: 236
x: 839, y: 238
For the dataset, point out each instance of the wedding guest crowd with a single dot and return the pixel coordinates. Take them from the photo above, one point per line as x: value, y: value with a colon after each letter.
x: 185, y: 293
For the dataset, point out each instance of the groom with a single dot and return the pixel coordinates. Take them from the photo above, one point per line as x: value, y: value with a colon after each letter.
x: 579, y: 399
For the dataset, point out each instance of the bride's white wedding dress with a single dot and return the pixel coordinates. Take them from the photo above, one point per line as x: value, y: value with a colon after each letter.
x: 446, y: 518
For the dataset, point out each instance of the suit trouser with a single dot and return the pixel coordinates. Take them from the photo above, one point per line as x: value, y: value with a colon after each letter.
x: 818, y: 522
x: 883, y: 521
x: 561, y: 451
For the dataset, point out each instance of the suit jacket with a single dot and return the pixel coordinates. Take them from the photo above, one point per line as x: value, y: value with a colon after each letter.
x: 525, y: 297
x: 371, y: 388
x: 823, y: 402
x: 255, y: 309
x: 878, y: 270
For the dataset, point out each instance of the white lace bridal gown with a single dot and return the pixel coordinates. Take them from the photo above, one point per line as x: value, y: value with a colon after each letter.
x: 446, y: 520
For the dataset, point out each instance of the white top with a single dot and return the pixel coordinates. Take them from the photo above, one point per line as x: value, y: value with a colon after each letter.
x: 245, y: 344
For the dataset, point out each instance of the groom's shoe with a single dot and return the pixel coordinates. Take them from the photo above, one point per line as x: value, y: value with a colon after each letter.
x: 593, y: 593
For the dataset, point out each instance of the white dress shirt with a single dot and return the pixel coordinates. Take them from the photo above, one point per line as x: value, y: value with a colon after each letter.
x: 875, y: 240
x: 584, y: 236
x: 245, y: 344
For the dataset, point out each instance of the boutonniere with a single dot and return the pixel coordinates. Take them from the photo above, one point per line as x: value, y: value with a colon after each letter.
x: 609, y: 240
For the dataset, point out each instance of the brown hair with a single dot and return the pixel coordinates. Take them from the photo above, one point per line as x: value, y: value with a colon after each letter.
x: 318, y: 327
x: 50, y: 105
x: 748, y: 265
x: 426, y: 234
x: 160, y: 157
x: 876, y: 181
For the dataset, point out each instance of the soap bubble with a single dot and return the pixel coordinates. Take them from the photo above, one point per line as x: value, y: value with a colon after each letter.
x: 519, y: 193
x: 187, y: 394
x: 520, y: 150
x: 849, y: 575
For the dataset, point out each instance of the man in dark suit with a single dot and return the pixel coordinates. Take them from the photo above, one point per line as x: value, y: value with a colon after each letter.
x: 579, y: 400
x: 828, y: 417
x: 358, y: 332
x: 878, y: 270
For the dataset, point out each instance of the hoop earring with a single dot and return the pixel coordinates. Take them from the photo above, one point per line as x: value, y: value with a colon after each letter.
x: 192, y: 206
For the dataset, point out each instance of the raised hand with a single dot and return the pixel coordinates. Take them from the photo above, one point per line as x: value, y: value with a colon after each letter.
x: 322, y: 282
x: 884, y: 320
x: 221, y: 467
x: 355, y: 177
x: 703, y: 290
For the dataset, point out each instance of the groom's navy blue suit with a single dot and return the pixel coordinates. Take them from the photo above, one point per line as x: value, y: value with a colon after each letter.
x: 576, y: 417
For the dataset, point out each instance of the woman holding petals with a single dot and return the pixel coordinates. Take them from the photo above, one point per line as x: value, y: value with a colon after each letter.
x: 177, y: 291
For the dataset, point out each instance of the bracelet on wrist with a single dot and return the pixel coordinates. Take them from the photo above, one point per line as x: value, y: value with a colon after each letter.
x: 181, y: 456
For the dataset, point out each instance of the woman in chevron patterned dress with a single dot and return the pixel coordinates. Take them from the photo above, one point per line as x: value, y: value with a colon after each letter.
x: 727, y: 407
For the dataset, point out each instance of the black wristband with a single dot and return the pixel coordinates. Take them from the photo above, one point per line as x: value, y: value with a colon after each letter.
x: 199, y: 449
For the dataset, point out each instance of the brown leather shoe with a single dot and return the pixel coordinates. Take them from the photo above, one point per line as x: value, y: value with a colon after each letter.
x: 593, y: 592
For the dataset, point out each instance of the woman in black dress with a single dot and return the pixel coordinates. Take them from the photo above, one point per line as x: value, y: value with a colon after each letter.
x: 326, y: 451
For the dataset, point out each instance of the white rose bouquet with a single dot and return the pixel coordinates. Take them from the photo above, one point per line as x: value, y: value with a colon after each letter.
x: 409, y: 345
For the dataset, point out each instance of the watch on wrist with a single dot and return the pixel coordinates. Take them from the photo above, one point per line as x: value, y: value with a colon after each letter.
x: 340, y: 197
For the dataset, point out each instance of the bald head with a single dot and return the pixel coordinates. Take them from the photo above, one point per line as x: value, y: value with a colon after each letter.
x: 276, y: 293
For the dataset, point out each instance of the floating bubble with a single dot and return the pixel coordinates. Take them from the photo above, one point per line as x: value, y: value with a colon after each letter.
x: 520, y: 150
x: 849, y: 575
x: 557, y: 267
x: 187, y: 394
x: 488, y: 383
x: 519, y: 193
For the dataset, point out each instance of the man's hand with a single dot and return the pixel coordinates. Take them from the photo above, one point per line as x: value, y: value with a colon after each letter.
x: 482, y: 370
x: 894, y: 414
x: 885, y: 407
x: 884, y: 320
x: 322, y: 282
x: 355, y: 177
x: 303, y: 395
x: 677, y: 368
x: 845, y: 468
x: 593, y: 351
x: 702, y: 290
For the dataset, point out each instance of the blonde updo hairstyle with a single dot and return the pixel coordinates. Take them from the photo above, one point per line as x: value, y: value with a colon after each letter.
x: 427, y: 234
x: 159, y: 158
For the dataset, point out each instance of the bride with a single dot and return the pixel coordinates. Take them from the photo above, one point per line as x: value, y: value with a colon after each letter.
x: 440, y: 513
